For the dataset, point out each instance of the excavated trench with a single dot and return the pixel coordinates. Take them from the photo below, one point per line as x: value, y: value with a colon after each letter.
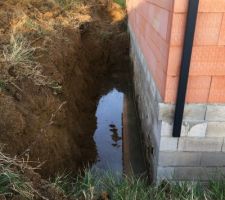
x: 93, y: 120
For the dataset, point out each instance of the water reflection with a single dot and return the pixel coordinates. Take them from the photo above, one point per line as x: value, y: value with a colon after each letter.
x: 108, y: 135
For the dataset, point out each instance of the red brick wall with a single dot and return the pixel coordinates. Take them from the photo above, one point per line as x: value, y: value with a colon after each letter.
x: 207, y: 72
x: 151, y: 22
x: 159, y: 26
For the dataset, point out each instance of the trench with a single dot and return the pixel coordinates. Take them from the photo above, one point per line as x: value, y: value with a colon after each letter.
x: 92, y: 121
x: 117, y: 135
x: 110, y: 136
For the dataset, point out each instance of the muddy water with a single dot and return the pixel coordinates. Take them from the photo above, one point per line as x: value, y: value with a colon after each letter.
x: 118, y: 135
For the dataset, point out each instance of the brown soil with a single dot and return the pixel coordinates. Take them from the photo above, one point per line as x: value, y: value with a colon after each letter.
x: 79, y: 46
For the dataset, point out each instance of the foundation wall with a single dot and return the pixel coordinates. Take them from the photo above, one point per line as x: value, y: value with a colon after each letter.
x: 157, y: 30
x: 147, y: 98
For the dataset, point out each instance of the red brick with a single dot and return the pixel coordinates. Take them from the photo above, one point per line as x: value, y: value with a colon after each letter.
x: 197, y: 92
x: 155, y: 68
x: 157, y: 17
x: 207, y: 29
x: 222, y: 32
x: 206, y: 60
x: 166, y: 4
x: 217, y: 94
x: 198, y: 89
x: 161, y: 55
x: 152, y: 36
x: 174, y: 61
x: 171, y: 89
x: 181, y: 6
x: 178, y: 29
x: 211, y: 6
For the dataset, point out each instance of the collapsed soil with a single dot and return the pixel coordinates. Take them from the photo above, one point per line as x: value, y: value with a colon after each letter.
x: 76, y: 48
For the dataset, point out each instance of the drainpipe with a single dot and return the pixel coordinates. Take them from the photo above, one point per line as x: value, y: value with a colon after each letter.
x: 185, y: 65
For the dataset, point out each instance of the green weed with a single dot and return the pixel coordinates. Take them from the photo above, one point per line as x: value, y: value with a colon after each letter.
x: 67, y: 4
x: 122, y: 3
x: 92, y: 184
x: 29, y: 23
x: 11, y: 182
x: 2, y: 85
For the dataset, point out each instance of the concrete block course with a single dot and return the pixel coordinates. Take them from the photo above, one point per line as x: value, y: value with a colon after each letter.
x: 173, y: 159
x: 168, y: 144
x: 209, y: 159
x: 190, y: 173
x: 215, y: 129
x: 190, y: 129
x: 165, y: 173
x: 198, y: 173
x: 197, y: 129
x: 200, y: 144
x: 215, y: 113
x: 223, y: 147
x: 191, y: 112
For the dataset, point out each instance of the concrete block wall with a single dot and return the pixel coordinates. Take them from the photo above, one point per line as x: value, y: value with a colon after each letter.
x: 147, y: 97
x: 199, y: 154
x: 157, y: 30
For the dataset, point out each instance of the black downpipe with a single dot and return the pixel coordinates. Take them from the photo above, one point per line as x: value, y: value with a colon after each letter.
x: 185, y: 65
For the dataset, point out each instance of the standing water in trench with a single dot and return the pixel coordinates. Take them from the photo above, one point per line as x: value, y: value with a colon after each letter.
x: 108, y: 135
x: 118, y: 132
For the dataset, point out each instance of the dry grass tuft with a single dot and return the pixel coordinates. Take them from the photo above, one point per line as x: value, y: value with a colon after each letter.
x: 20, y: 61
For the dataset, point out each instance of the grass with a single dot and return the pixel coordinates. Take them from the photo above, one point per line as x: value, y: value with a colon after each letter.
x: 20, y: 62
x: 12, y: 181
x: 67, y: 4
x: 19, y: 52
x: 122, y: 3
x: 31, y: 24
x: 95, y: 185
x: 2, y: 85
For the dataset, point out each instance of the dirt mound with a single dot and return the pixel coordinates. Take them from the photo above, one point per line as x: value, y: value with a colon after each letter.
x: 53, y: 54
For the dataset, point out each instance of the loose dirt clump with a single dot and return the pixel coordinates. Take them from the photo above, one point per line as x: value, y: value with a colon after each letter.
x: 53, y: 55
